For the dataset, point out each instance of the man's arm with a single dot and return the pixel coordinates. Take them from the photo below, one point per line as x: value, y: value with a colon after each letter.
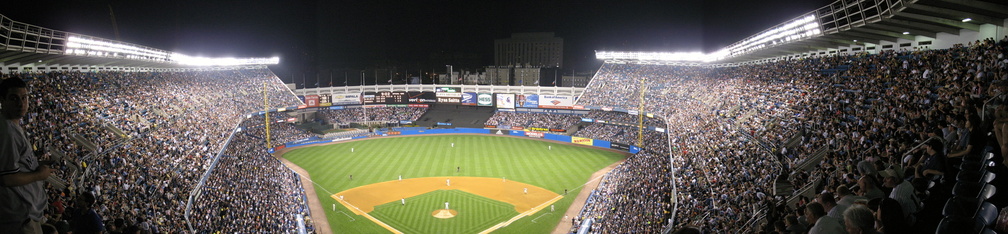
x: 23, y: 178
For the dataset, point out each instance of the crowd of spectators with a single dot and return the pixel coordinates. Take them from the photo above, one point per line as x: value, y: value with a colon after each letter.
x: 868, y: 110
x: 533, y: 120
x: 622, y: 117
x: 139, y: 141
x: 723, y: 169
x: 609, y: 132
x: 233, y: 201
x: 636, y: 195
x: 371, y: 114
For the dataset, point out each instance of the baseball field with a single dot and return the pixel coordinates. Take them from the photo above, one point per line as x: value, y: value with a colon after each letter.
x: 448, y: 183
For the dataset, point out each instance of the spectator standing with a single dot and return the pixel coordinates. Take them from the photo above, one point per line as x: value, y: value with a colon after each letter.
x: 22, y: 197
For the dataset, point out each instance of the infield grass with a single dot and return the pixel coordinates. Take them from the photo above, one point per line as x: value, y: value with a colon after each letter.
x: 476, y: 213
x: 384, y: 159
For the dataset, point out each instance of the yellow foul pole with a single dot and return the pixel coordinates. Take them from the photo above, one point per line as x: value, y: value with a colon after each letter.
x: 266, y: 109
x: 640, y: 112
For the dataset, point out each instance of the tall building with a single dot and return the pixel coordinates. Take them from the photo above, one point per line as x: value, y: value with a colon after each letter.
x: 529, y: 49
x: 499, y: 75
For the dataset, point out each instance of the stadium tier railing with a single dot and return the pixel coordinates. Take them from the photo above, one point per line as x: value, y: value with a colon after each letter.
x: 195, y: 193
x: 541, y: 90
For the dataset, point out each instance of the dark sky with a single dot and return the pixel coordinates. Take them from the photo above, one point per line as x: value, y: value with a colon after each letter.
x: 313, y: 35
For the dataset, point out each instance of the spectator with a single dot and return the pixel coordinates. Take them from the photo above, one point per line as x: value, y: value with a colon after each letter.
x: 858, y: 219
x: 85, y: 219
x: 890, y: 217
x: 816, y: 214
x: 22, y: 198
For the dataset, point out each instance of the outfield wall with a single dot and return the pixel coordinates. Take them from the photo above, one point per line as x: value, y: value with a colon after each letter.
x: 553, y: 137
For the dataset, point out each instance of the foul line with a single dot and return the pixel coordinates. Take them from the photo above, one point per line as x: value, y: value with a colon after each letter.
x: 348, y: 216
x: 590, y: 181
x: 540, y: 216
x: 522, y: 215
x: 368, y: 216
x: 313, y: 182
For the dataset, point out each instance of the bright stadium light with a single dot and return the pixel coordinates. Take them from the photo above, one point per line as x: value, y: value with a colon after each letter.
x: 203, y: 61
x: 81, y: 46
x: 797, y: 29
x: 967, y: 20
x: 98, y: 47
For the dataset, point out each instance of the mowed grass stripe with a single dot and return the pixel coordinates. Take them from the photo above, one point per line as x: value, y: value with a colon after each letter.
x: 476, y: 213
x: 384, y: 159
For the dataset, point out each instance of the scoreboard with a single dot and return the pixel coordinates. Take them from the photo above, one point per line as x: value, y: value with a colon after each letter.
x: 392, y: 97
x: 398, y: 97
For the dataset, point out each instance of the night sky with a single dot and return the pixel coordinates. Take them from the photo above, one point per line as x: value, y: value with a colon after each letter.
x: 312, y: 36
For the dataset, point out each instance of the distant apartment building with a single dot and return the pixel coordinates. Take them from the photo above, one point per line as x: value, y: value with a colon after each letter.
x: 529, y: 49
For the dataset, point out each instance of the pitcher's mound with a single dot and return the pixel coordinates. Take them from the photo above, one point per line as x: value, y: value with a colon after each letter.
x: 444, y: 214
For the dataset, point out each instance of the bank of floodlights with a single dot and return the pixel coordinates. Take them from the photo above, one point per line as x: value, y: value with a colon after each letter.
x: 105, y: 48
x: 652, y: 56
x: 97, y: 47
x: 203, y: 61
x: 797, y: 29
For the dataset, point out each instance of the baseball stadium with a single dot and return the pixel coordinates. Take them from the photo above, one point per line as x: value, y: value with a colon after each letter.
x: 861, y: 116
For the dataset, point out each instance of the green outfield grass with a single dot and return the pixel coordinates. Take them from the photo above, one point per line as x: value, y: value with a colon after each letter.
x: 476, y: 213
x: 384, y: 159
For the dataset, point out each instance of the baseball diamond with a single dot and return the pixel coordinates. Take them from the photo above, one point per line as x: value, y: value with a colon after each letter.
x: 522, y: 175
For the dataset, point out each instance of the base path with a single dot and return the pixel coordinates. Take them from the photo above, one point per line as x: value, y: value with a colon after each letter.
x: 565, y: 224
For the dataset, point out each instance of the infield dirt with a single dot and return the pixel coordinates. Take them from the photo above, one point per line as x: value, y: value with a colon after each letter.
x: 365, y: 198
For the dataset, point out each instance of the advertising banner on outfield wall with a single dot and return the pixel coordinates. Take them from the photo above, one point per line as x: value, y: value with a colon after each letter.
x: 484, y: 99
x: 556, y: 101
x: 581, y: 140
x: 311, y: 100
x: 505, y: 100
x: 468, y: 99
x: 528, y: 101
x: 346, y: 99
x: 619, y: 146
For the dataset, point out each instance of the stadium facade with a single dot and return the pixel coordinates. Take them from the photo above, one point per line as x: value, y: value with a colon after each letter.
x: 844, y: 28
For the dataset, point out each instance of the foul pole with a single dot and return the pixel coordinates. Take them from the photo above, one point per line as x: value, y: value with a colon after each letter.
x: 266, y: 110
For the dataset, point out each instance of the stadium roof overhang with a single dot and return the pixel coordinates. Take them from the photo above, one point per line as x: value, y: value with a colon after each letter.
x: 874, y: 21
x: 18, y: 57
x: 924, y: 18
x: 28, y: 45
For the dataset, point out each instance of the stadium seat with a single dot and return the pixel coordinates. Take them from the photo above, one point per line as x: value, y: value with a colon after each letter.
x: 988, y: 191
x: 988, y: 213
x: 974, y: 165
x: 976, y: 176
x: 959, y: 225
x: 961, y: 207
x: 968, y: 189
x: 978, y: 157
